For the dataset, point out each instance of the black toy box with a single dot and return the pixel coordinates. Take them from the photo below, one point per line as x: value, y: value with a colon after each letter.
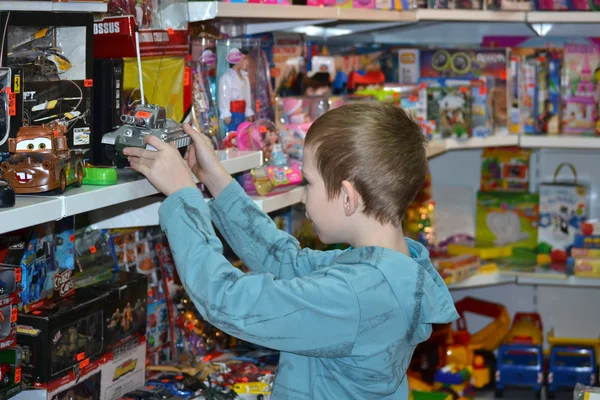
x: 55, y: 53
x: 125, y: 310
x: 62, y: 338
x: 10, y: 372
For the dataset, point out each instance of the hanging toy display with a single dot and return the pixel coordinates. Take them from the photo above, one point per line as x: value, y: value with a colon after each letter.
x: 235, y: 87
x: 276, y: 175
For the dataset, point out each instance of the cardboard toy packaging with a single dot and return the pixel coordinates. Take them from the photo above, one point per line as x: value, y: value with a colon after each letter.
x: 124, y: 369
x: 563, y: 207
x: 11, y: 101
x: 55, y: 53
x: 10, y: 372
x: 62, y: 338
x: 472, y: 64
x: 33, y: 250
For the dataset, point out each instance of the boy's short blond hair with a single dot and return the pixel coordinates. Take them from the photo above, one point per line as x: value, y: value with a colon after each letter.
x: 377, y: 147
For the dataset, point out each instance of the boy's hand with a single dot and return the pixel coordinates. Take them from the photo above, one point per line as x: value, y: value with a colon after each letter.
x: 204, y: 162
x: 164, y: 168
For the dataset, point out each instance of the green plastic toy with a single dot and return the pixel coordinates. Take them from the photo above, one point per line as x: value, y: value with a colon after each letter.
x: 100, y: 176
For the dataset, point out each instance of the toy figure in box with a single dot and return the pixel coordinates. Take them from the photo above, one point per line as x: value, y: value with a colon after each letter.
x: 580, y: 93
x: 505, y: 169
x: 234, y: 92
x: 204, y: 108
x: 450, y: 104
x: 62, y: 336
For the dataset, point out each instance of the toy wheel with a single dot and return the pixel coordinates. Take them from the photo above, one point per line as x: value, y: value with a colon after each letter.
x: 538, y: 394
x: 550, y: 394
x: 113, y: 156
x: 499, y: 393
x: 62, y: 183
x: 260, y: 397
x: 79, y: 180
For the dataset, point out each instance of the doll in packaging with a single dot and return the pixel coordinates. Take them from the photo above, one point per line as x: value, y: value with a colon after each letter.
x: 234, y: 92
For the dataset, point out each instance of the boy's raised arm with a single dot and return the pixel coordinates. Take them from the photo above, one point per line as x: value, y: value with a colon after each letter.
x: 254, y: 237
x: 257, y: 307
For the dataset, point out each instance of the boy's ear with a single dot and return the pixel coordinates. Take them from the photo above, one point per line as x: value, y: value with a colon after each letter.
x: 350, y: 198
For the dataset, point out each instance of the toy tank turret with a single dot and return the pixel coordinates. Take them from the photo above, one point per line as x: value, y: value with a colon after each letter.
x: 146, y: 120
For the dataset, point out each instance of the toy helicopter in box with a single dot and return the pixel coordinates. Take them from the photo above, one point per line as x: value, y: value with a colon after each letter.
x: 147, y: 119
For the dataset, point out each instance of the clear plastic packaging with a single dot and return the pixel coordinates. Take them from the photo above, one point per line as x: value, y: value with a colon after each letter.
x: 48, y: 53
x: 237, y: 61
x: 295, y: 115
x: 153, y: 14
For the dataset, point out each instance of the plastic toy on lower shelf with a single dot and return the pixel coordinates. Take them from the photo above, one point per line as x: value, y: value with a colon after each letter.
x: 570, y: 365
x: 520, y: 365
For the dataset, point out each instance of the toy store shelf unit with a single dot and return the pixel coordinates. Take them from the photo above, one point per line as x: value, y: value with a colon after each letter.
x: 29, y: 211
x: 132, y: 186
x: 435, y: 149
x: 277, y: 202
x: 484, y: 280
x: 361, y: 14
x: 560, y: 142
x: 74, y: 6
x: 573, y: 281
x: 201, y: 11
x: 478, y: 143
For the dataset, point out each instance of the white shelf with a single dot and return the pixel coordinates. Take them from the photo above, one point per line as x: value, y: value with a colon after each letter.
x: 559, y: 142
x: 565, y: 17
x: 144, y: 211
x: 29, y: 211
x: 279, y: 201
x: 559, y: 281
x: 470, y: 15
x: 477, y: 143
x: 435, y: 149
x: 484, y: 280
x: 72, y: 6
x: 363, y: 14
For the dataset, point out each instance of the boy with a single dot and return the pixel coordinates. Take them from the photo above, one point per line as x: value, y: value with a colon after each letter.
x: 346, y: 322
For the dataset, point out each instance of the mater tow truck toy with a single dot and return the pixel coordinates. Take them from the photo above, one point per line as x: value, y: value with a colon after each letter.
x: 147, y: 119
x: 40, y: 160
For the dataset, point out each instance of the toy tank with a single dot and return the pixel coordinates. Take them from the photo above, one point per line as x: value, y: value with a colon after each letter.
x: 146, y: 120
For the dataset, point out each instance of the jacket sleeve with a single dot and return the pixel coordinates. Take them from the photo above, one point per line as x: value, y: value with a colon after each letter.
x: 255, y: 239
x: 316, y: 315
x: 224, y: 92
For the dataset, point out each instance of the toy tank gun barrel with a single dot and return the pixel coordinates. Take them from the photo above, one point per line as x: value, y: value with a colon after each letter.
x: 128, y: 119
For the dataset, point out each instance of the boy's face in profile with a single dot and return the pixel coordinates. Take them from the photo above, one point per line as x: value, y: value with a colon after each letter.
x: 327, y: 215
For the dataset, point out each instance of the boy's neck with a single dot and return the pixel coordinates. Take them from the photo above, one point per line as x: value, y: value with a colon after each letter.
x: 386, y: 236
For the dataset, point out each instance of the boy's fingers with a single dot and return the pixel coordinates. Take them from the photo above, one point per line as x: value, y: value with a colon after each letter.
x: 139, y: 152
x: 139, y: 167
x: 156, y: 142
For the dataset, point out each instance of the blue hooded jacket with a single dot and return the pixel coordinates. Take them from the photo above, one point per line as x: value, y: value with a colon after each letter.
x: 346, y: 322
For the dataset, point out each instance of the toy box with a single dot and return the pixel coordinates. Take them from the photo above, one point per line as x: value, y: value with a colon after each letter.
x: 10, y: 283
x: 580, y: 98
x: 55, y: 51
x: 472, y: 64
x: 449, y: 103
x: 505, y: 169
x: 62, y: 338
x: 11, y: 103
x: 124, y: 370
x: 125, y: 312
x: 534, y: 91
x: 84, y: 385
x: 157, y: 331
x: 408, y: 66
x: 504, y: 218
x: 563, y: 207
x: 10, y: 372
x: 34, y: 251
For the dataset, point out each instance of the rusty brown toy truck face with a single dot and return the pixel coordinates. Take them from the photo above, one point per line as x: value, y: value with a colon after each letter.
x: 41, y: 161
